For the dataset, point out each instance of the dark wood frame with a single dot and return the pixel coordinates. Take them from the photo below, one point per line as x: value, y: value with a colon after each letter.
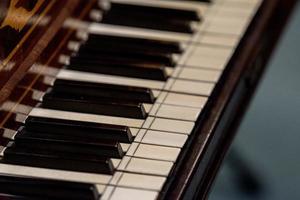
x: 204, y: 152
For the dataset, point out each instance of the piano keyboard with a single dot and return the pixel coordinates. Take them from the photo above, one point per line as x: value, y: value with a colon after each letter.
x: 111, y: 124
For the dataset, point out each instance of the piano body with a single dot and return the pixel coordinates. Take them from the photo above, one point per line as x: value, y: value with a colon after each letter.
x: 126, y: 99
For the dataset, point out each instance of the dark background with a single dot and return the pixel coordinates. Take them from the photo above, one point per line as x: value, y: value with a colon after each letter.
x: 269, y: 137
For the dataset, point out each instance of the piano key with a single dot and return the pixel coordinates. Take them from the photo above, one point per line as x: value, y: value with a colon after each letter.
x: 154, y: 152
x: 122, y: 66
x: 139, y: 181
x: 182, y: 100
x: 77, y: 129
x: 192, y: 87
x: 177, y: 112
x: 53, y: 174
x: 147, y: 20
x: 41, y: 188
x: 219, y: 39
x: 83, y: 117
x: 199, y: 74
x: 205, y: 62
x: 134, y: 94
x: 187, y: 5
x: 135, y: 44
x: 163, y: 139
x: 115, y: 30
x: 212, y: 51
x: 56, y: 160
x: 171, y: 125
x: 171, y: 13
x: 91, y: 105
x: 145, y: 166
x: 41, y: 140
x: 108, y: 79
x: 120, y: 193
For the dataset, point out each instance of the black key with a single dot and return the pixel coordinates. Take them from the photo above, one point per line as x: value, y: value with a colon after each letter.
x: 56, y: 128
x: 162, y: 13
x: 130, y: 93
x: 93, y: 105
x: 57, y: 160
x: 135, y: 44
x: 116, y: 50
x: 119, y: 66
x: 40, y: 140
x: 34, y: 188
x: 148, y: 22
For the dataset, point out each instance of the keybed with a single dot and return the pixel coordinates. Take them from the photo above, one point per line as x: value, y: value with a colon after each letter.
x: 170, y: 119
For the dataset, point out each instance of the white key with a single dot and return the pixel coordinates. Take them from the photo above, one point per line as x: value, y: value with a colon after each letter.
x: 192, y: 87
x: 186, y: 5
x: 212, y: 51
x: 145, y: 166
x: 202, y: 61
x: 171, y: 125
x: 36, y: 172
x: 200, y: 74
x: 56, y: 114
x: 121, y: 193
x: 164, y: 138
x: 156, y: 152
x: 211, y: 57
x: 218, y: 39
x: 183, y: 100
x: 140, y: 181
x: 109, y: 79
x: 116, y: 30
x: 177, y: 112
x: 226, y: 27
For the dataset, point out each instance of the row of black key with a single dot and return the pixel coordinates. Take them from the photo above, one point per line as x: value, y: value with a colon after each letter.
x: 86, y: 146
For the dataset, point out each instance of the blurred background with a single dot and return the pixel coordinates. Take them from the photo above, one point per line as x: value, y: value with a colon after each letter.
x: 268, y: 141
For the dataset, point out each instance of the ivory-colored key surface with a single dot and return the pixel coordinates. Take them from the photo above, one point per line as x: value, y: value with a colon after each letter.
x: 164, y: 138
x: 116, y: 30
x: 200, y: 74
x: 211, y: 57
x: 121, y: 193
x: 212, y: 51
x: 171, y: 125
x: 182, y: 99
x: 192, y: 87
x: 140, y: 181
x: 178, y: 112
x: 156, y: 152
x: 219, y: 39
x: 145, y: 166
x: 202, y: 61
